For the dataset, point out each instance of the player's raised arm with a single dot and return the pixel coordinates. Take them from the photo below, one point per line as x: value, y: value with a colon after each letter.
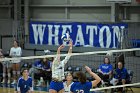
x: 95, y: 76
x: 69, y: 53
x: 70, y: 47
x: 57, y: 58
x: 59, y: 48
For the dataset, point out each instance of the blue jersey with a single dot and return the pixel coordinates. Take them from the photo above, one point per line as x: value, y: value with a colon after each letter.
x: 46, y: 67
x: 40, y: 65
x: 78, y: 87
x: 106, y: 68
x: 24, y: 85
x: 121, y: 74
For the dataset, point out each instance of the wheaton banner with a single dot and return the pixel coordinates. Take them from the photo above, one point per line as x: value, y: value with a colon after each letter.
x: 82, y: 34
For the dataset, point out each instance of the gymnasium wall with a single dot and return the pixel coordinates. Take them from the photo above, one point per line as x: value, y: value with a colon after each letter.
x: 99, y: 11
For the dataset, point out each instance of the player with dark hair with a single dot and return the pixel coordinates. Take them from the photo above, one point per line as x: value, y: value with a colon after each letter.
x: 56, y: 85
x: 15, y: 52
x: 105, y: 70
x: 68, y: 82
x: 24, y: 84
x: 82, y: 86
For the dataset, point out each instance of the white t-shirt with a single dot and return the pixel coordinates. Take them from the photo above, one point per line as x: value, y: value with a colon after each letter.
x: 15, y: 53
x: 58, y: 68
x: 67, y: 88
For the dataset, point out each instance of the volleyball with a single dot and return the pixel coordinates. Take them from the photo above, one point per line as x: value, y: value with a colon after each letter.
x: 65, y: 37
x: 109, y: 53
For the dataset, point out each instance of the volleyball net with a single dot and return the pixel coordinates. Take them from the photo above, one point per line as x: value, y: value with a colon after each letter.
x: 94, y: 59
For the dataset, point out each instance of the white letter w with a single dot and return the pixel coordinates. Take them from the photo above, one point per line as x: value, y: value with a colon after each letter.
x: 38, y: 30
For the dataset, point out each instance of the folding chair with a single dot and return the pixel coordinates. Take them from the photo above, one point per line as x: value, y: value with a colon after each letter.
x: 130, y: 72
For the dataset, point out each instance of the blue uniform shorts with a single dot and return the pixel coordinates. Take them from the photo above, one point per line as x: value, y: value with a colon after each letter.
x: 56, y: 86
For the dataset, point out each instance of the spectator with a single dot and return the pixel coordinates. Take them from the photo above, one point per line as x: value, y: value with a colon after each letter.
x: 105, y: 70
x: 41, y: 70
x: 121, y: 76
x: 1, y: 66
x: 6, y: 68
x: 1, y: 54
x: 15, y: 52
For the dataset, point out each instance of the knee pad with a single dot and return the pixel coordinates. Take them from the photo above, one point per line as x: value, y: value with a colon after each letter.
x: 18, y: 72
x: 9, y: 74
x: 3, y: 74
x: 14, y: 72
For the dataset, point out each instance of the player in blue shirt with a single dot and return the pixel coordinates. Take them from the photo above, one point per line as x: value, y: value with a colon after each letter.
x: 24, y: 84
x: 82, y: 86
x: 105, y: 69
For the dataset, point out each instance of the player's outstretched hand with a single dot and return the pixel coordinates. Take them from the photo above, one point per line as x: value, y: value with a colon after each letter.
x: 61, y: 47
x: 88, y: 69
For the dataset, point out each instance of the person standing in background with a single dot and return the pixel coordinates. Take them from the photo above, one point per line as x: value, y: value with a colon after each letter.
x: 15, y: 52
x: 6, y: 67
x: 1, y: 65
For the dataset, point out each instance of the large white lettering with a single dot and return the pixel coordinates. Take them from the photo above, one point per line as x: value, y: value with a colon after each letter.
x: 52, y: 35
x: 79, y: 37
x: 108, y: 37
x: 38, y: 30
x: 116, y: 34
x: 66, y: 29
x: 91, y: 30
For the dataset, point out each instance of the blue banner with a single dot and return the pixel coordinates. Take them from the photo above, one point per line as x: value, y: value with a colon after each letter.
x: 82, y: 34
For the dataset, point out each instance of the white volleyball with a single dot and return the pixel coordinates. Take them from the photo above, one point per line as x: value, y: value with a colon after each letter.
x: 65, y: 37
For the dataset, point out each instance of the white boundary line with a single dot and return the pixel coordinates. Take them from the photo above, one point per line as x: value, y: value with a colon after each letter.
x: 73, y: 54
x: 126, y: 85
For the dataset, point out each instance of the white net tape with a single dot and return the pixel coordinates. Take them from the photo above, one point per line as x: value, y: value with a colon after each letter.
x: 73, y: 54
x: 119, y: 86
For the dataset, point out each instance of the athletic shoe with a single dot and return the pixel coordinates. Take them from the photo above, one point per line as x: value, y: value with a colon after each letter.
x: 38, y: 83
x: 14, y: 82
x: 3, y: 81
x: 8, y: 81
